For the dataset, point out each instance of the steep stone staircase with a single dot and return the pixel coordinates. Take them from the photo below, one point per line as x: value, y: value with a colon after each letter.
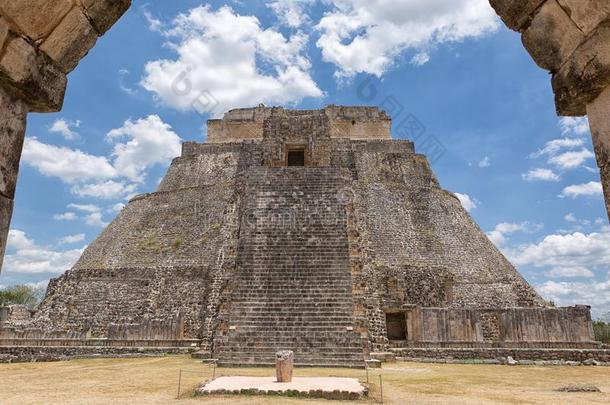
x: 293, y: 288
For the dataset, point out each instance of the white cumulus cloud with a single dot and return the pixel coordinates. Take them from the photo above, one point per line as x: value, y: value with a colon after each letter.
x: 551, y: 148
x: 65, y: 128
x: 70, y: 165
x: 485, y: 162
x: 540, y: 174
x: 567, y: 272
x: 95, y: 219
x: 85, y: 207
x: 106, y: 190
x: 574, y: 125
x: 137, y: 146
x: 149, y: 141
x: 499, y: 235
x: 226, y: 60
x: 596, y: 294
x: 25, y: 256
x: 70, y: 239
x: 574, y: 250
x: 366, y: 36
x: 66, y: 216
x: 118, y: 207
x: 571, y: 159
x: 467, y: 202
x: 572, y: 255
x: 291, y: 12
x: 590, y: 189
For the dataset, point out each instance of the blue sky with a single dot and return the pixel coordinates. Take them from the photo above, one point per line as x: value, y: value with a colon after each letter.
x: 527, y: 177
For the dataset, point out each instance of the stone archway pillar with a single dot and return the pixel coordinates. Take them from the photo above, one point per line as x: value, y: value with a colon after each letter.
x: 599, y: 120
x: 571, y: 39
x: 41, y: 41
x: 12, y: 129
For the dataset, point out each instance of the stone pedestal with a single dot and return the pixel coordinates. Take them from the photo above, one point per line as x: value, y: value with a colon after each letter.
x: 284, y: 363
x: 599, y: 120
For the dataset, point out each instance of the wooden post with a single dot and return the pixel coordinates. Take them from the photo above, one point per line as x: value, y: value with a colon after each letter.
x: 284, y: 363
x: 179, y: 384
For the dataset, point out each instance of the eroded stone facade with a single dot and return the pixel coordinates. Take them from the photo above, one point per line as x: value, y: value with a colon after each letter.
x: 249, y: 255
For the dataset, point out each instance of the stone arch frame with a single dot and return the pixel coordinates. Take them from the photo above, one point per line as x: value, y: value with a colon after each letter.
x: 37, y: 51
x: 570, y: 38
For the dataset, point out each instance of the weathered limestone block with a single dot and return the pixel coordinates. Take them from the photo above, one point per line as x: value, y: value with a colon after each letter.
x: 4, y: 28
x: 582, y: 78
x: 551, y: 37
x: 32, y: 76
x: 284, y: 364
x: 516, y: 14
x: 36, y: 18
x: 599, y: 120
x: 6, y: 210
x: 104, y: 13
x: 71, y: 40
x: 587, y: 14
x: 18, y: 314
x: 12, y: 130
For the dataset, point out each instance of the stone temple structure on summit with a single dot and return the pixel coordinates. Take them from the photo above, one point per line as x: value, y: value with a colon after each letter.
x: 307, y: 230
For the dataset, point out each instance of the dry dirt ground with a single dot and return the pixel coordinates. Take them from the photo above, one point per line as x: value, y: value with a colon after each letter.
x: 154, y: 381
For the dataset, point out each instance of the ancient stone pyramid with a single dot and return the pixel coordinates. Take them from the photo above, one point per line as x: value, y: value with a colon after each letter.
x: 305, y: 230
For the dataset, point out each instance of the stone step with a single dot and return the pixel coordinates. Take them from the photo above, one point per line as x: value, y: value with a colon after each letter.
x: 257, y: 297
x: 303, y: 288
x: 306, y: 283
x: 269, y: 352
x: 320, y: 319
x: 303, y: 346
x: 287, y: 301
x: 339, y: 285
x: 270, y: 322
x: 293, y: 287
x: 338, y: 334
x: 269, y: 355
x: 258, y: 293
x: 292, y: 309
x: 302, y: 363
x: 290, y: 277
x: 296, y: 308
x: 269, y: 359
x: 306, y: 327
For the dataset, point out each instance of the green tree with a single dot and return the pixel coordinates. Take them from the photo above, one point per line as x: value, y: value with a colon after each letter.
x: 601, y: 328
x: 21, y: 295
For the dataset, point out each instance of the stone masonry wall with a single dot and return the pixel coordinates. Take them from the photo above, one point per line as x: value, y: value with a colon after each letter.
x: 419, y: 245
x: 162, y: 256
x: 344, y: 122
x: 503, y: 326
